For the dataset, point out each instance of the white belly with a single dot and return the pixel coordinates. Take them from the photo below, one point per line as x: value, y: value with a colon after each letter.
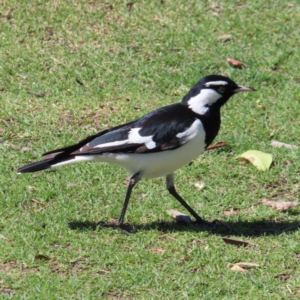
x: 160, y: 163
x: 154, y: 164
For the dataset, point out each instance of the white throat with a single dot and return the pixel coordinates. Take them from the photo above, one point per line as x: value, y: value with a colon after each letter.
x: 200, y: 103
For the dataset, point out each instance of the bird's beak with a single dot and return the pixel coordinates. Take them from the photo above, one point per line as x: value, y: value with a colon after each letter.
x: 242, y: 88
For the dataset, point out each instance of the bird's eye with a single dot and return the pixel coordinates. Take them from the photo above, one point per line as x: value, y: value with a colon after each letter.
x: 221, y: 89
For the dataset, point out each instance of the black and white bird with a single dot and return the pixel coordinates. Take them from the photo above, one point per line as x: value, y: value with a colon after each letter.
x: 158, y: 143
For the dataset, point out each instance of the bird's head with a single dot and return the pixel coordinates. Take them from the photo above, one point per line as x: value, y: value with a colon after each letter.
x: 212, y: 91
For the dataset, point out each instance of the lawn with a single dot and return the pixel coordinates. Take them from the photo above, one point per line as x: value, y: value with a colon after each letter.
x: 72, y: 68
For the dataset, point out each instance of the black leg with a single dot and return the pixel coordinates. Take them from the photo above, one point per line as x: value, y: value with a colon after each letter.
x: 132, y: 182
x: 171, y: 189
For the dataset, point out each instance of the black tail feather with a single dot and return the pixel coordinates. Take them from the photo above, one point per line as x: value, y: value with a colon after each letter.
x: 37, y: 166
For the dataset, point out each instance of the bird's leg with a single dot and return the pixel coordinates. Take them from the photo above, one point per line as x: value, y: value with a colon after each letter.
x: 132, y: 182
x: 172, y: 191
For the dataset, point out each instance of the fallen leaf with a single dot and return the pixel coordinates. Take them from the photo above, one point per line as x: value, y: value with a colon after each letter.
x: 231, y: 212
x: 5, y: 290
x: 288, y: 288
x: 224, y: 37
x: 247, y: 265
x: 178, y: 216
x: 200, y: 185
x: 37, y: 174
x: 126, y: 180
x: 2, y: 130
x: 41, y: 257
x: 130, y: 5
x: 24, y: 149
x: 237, y: 268
x: 238, y: 243
x: 297, y: 257
x: 278, y: 144
x: 282, y: 206
x: 216, y: 145
x: 283, y: 276
x: 235, y: 63
x: 3, y: 237
x: 260, y: 105
x: 79, y: 81
x: 14, y: 147
x: 38, y: 94
x: 157, y: 251
x: 39, y: 202
x: 262, y: 161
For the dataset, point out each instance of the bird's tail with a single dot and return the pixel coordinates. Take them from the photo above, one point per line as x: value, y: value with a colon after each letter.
x: 36, y: 166
x: 60, y: 157
x: 51, y: 159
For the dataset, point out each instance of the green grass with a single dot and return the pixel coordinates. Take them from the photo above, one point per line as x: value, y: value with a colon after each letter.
x: 101, y: 64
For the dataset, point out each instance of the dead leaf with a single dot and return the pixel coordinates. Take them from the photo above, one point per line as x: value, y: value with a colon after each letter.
x: 200, y: 185
x: 260, y: 105
x: 14, y: 147
x: 130, y: 5
x: 282, y: 206
x: 235, y: 63
x: 24, y: 149
x: 278, y: 144
x: 157, y: 251
x: 235, y: 242
x: 79, y: 81
x: 283, y: 276
x: 224, y: 37
x: 6, y: 290
x: 297, y: 257
x: 288, y: 288
x: 38, y: 202
x: 38, y: 94
x: 126, y: 180
x: 237, y: 268
x: 231, y: 212
x: 37, y: 174
x: 3, y: 237
x: 178, y: 216
x: 216, y: 145
x: 262, y: 161
x: 247, y: 265
x: 41, y: 257
x: 2, y: 130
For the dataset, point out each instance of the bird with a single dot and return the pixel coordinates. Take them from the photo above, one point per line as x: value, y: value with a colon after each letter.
x: 158, y: 143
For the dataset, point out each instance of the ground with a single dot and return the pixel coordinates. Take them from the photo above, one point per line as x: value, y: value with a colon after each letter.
x: 71, y: 68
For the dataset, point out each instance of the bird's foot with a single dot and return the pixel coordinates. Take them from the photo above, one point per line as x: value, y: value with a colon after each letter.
x: 213, y: 224
x: 124, y: 227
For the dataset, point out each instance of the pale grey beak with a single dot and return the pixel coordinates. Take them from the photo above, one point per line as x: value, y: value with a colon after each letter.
x: 242, y: 88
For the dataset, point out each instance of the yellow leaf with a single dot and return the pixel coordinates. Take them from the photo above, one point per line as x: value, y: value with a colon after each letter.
x: 237, y: 268
x: 262, y: 161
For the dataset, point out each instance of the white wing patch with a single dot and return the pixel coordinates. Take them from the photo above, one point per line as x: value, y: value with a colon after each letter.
x: 216, y: 83
x: 192, y: 131
x: 133, y: 138
x: 199, y: 104
x: 112, y: 144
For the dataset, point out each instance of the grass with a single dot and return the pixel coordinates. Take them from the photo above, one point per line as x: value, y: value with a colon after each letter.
x: 89, y: 65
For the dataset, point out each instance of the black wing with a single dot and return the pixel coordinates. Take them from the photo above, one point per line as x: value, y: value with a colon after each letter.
x: 156, y: 131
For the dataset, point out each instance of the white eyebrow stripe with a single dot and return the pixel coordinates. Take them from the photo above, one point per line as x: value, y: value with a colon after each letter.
x: 215, y: 83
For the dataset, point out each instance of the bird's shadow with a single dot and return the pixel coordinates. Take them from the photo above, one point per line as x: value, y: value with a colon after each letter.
x: 236, y: 228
